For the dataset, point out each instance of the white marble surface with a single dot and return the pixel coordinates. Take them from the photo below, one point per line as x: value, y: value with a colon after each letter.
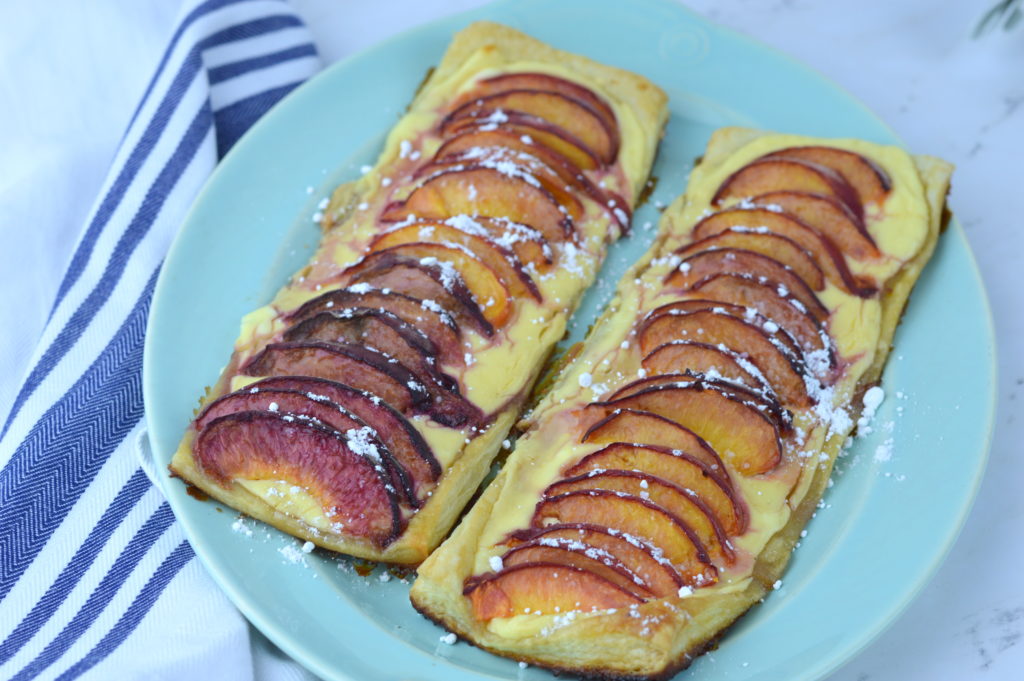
x: 911, y: 61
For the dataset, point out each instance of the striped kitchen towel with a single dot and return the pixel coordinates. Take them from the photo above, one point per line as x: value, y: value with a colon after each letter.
x: 96, y: 578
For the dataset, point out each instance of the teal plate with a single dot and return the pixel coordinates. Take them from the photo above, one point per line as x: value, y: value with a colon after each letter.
x: 887, y: 522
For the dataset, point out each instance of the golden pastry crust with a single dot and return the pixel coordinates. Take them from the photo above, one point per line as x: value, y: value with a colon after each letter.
x: 661, y: 636
x: 480, y: 50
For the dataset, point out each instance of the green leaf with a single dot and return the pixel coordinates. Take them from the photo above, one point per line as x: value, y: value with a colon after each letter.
x: 1014, y: 19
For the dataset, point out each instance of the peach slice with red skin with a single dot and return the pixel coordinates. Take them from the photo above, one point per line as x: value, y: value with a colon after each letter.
x: 828, y: 217
x: 366, y: 369
x: 431, y: 320
x: 283, y: 401
x: 484, y: 192
x: 486, y: 288
x: 679, y: 356
x: 636, y: 517
x: 295, y: 403
x: 352, y: 365
x: 512, y: 164
x: 600, y: 563
x: 403, y: 440
x: 786, y: 311
x: 378, y: 330
x: 745, y: 438
x: 867, y: 178
x: 829, y: 259
x: 547, y: 83
x: 777, y: 173
x: 529, y: 245
x: 786, y: 342
x: 669, y: 496
x: 537, y: 130
x: 426, y: 279
x: 757, y: 267
x: 775, y: 246
x: 446, y: 404
x: 543, y: 588
x: 578, y: 120
x: 783, y: 371
x: 259, y: 445
x: 658, y: 574
x: 766, y: 403
x: 501, y: 260
x: 467, y: 144
x: 630, y: 425
x: 678, y: 467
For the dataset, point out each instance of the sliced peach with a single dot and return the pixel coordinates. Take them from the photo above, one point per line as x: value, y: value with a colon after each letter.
x: 283, y: 401
x: 579, y: 121
x: 744, y: 263
x: 778, y: 335
x: 512, y: 164
x: 746, y: 439
x: 457, y: 262
x: 527, y: 243
x: 544, y: 588
x: 352, y: 365
x: 404, y: 442
x: 500, y: 259
x: 824, y: 252
x: 375, y: 329
x: 537, y: 130
x: 600, y: 563
x: 484, y: 192
x: 431, y: 320
x: 330, y: 414
x: 784, y: 371
x: 657, y: 573
x: 678, y: 467
x: 765, y: 402
x: 669, y: 496
x: 474, y: 142
x: 465, y: 145
x: 684, y: 355
x: 427, y: 279
x: 630, y: 425
x: 773, y: 174
x: 828, y: 217
x: 352, y: 328
x: 784, y: 310
x: 352, y: 488
x: 775, y: 246
x: 871, y: 183
x: 635, y: 517
x: 547, y: 83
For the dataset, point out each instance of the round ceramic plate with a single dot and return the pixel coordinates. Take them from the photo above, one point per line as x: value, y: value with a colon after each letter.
x: 886, y: 523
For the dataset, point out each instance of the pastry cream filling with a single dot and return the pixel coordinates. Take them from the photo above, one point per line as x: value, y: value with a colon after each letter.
x: 611, y: 359
x: 499, y: 370
x: 290, y: 499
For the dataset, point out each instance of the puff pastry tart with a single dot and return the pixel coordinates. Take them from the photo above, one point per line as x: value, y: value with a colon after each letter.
x: 662, y: 484
x: 363, y: 406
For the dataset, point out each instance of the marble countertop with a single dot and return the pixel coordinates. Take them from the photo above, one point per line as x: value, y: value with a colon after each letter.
x: 913, y: 62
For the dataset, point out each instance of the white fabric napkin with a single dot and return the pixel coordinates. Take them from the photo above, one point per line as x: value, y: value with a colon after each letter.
x: 96, y: 578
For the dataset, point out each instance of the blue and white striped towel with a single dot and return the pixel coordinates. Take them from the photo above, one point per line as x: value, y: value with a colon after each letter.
x: 96, y: 578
